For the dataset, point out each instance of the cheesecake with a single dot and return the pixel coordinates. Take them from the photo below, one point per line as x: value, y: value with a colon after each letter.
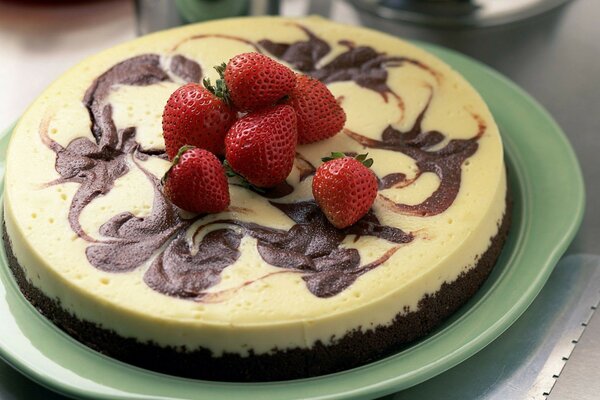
x: 268, y: 289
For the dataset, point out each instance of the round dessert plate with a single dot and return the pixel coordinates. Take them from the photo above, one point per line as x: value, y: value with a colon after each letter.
x: 547, y: 189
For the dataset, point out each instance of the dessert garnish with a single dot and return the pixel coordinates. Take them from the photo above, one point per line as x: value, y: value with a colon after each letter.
x: 261, y: 146
x: 319, y: 114
x: 196, y: 181
x: 250, y: 81
x: 345, y: 188
x: 196, y: 117
x: 276, y: 109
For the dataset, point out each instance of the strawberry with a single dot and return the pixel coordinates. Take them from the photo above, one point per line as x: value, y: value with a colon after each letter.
x: 345, y: 188
x: 196, y: 181
x: 261, y: 146
x: 194, y: 116
x: 255, y: 81
x: 319, y: 115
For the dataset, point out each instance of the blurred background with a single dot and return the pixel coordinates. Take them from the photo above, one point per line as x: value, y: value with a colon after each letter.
x: 551, y: 48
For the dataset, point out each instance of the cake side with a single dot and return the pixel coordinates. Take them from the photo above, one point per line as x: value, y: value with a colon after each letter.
x: 276, y: 310
x: 355, y: 348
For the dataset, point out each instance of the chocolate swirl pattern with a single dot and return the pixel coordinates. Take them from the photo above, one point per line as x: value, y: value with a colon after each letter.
x: 360, y: 64
x: 311, y: 247
x: 97, y: 165
x: 445, y: 162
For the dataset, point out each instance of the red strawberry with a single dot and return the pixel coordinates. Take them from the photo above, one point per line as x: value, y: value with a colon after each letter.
x: 319, y: 115
x: 194, y: 116
x: 255, y: 81
x: 261, y: 146
x: 345, y: 188
x: 196, y: 182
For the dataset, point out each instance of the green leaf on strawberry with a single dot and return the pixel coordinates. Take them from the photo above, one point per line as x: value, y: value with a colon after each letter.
x: 220, y: 88
x: 175, y: 161
x: 240, y: 180
x: 362, y: 158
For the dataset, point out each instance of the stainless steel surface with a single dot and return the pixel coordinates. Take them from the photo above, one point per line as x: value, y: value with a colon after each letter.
x: 576, y: 382
x: 525, y: 361
x: 457, y: 13
x: 554, y: 57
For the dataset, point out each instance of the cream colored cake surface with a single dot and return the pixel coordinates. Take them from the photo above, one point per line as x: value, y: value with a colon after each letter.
x: 255, y: 305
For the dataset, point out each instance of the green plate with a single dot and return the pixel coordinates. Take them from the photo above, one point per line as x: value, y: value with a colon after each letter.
x: 548, y: 192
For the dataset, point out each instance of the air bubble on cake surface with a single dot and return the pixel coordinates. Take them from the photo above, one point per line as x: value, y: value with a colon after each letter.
x: 409, y: 79
x: 415, y: 193
x: 66, y: 124
x: 203, y: 51
x: 132, y: 108
x: 366, y: 123
x: 197, y: 315
x: 156, y: 166
x: 127, y: 195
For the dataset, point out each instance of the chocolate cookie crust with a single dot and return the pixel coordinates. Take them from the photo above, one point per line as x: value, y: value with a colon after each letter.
x: 356, y: 348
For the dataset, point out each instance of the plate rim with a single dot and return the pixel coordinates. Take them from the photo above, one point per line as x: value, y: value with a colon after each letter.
x: 486, y: 336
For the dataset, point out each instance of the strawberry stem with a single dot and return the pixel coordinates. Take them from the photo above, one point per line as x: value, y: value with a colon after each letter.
x: 220, y: 88
x: 367, y: 162
x: 243, y: 182
x: 221, y: 69
x: 362, y: 158
x: 180, y: 152
x: 334, y: 155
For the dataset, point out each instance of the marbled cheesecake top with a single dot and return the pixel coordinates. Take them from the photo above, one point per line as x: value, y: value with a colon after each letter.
x: 90, y: 224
